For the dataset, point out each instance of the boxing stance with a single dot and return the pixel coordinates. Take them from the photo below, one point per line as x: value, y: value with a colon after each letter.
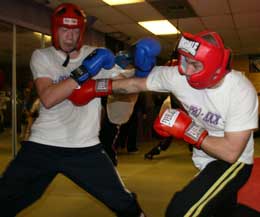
x: 65, y: 138
x: 221, y: 113
x: 143, y: 55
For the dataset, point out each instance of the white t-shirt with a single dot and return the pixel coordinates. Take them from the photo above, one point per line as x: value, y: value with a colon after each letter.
x: 66, y: 125
x: 231, y: 107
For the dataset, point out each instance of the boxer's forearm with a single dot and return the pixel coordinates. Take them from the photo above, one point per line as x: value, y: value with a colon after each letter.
x: 130, y: 85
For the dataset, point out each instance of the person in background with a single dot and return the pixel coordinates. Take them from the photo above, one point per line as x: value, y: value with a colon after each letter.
x: 164, y: 143
x: 64, y: 137
x: 32, y: 114
x: 4, y: 101
x: 2, y: 95
x: 127, y: 137
x: 119, y: 126
x: 25, y: 102
x: 120, y: 119
x: 221, y: 115
x: 118, y: 114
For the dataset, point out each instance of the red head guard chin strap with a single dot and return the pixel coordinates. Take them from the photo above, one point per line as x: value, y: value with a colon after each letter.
x: 69, y: 16
x: 213, y: 55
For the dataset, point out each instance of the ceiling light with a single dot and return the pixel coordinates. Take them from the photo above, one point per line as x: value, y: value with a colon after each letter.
x: 47, y: 38
x: 37, y: 34
x: 159, y: 27
x: 40, y: 35
x: 122, y: 2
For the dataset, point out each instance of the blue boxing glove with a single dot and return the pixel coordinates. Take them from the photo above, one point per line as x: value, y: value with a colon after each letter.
x: 124, y: 58
x: 92, y: 64
x: 146, y: 51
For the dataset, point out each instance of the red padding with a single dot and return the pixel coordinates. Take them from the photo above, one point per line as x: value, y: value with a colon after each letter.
x: 249, y: 194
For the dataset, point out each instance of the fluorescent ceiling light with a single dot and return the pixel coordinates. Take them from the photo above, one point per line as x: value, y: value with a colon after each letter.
x: 122, y: 2
x: 39, y: 35
x: 159, y: 27
x: 47, y: 38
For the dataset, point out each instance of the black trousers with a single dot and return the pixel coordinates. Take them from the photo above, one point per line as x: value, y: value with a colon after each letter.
x: 111, y: 138
x: 212, y: 193
x: 36, y: 165
x: 107, y: 136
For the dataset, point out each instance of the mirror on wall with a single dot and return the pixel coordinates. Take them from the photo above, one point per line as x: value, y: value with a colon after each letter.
x: 26, y: 42
x: 5, y: 93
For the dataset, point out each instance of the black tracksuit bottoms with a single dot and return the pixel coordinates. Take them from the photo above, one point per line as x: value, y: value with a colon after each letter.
x: 212, y: 193
x: 36, y: 165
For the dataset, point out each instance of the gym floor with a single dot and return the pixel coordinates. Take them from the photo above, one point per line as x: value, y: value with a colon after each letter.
x: 154, y: 181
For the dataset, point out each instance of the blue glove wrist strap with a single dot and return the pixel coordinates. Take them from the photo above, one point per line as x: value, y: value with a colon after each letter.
x: 80, y: 74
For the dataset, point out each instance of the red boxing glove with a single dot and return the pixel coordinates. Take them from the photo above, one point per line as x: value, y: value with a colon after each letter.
x: 89, y: 90
x: 178, y: 124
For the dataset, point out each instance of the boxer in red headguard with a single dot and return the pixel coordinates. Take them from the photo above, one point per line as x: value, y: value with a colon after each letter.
x: 64, y: 137
x: 221, y: 113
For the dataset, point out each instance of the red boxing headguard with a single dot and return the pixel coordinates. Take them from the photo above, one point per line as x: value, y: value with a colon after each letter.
x: 208, y: 48
x: 70, y: 16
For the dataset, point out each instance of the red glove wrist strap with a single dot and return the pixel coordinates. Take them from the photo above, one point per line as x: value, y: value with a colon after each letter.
x: 195, y: 134
x: 103, y: 87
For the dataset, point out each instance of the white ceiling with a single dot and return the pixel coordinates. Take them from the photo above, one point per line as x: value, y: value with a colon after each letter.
x: 238, y: 21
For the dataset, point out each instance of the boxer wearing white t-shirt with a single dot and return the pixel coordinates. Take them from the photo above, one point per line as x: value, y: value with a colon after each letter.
x: 221, y: 114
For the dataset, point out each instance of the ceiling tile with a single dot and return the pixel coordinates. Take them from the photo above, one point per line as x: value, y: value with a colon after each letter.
x: 233, y: 44
x: 109, y: 15
x: 228, y: 34
x: 218, y: 22
x: 134, y: 30
x: 140, y: 12
x: 173, y: 9
x: 250, y: 34
x: 249, y: 50
x: 89, y: 3
x: 192, y: 25
x: 100, y: 26
x: 210, y: 8
x: 252, y: 43
x: 247, y: 20
x: 241, y: 6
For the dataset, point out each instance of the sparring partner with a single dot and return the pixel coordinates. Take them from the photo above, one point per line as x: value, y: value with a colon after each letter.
x: 64, y: 137
x: 221, y: 114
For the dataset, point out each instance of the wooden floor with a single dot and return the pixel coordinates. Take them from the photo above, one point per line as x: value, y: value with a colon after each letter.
x: 154, y: 181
